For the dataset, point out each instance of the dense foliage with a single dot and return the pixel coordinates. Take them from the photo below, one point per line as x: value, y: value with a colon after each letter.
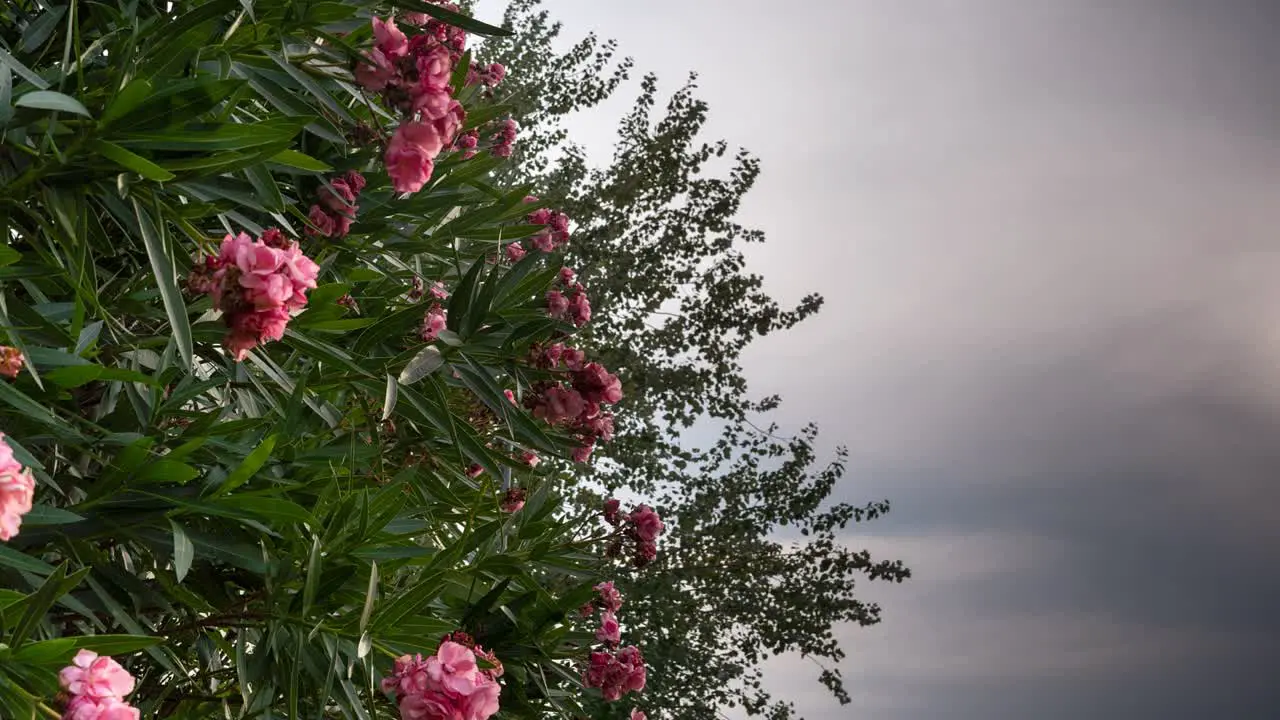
x: 757, y: 561
x: 285, y: 361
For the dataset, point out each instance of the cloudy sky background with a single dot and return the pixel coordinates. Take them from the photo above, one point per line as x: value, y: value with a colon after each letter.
x: 1047, y: 232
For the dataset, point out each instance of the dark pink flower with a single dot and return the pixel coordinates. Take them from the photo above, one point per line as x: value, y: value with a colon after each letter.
x: 557, y: 303
x: 513, y: 500
x: 612, y: 511
x: 10, y: 361
x: 582, y: 453
x: 515, y: 252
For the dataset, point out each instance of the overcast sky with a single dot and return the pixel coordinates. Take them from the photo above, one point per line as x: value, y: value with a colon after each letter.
x: 1048, y: 232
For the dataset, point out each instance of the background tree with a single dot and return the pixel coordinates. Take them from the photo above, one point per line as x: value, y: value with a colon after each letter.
x: 753, y: 564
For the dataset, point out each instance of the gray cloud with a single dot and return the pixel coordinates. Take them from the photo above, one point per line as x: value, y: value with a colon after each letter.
x: 1047, y: 233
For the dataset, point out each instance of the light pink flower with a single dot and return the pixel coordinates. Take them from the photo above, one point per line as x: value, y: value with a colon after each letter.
x: 582, y: 453
x: 438, y: 291
x: 389, y: 39
x: 376, y: 72
x: 646, y: 523
x: 530, y: 459
x: 511, y: 396
x: 83, y: 707
x: 610, y: 599
x: 95, y: 676
x: 435, y: 68
x: 609, y: 631
x: 636, y: 714
x: 411, y: 155
x: 434, y: 322
x: 17, y: 490
x: 513, y: 500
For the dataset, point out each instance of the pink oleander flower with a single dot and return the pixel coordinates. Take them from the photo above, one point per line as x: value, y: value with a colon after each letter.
x: 645, y: 523
x: 530, y: 459
x: 322, y: 223
x: 616, y: 674
x: 435, y: 69
x: 557, y: 303
x: 558, y: 404
x: 82, y: 707
x: 449, y: 685
x: 17, y: 490
x: 10, y: 361
x: 636, y: 714
x: 411, y: 155
x: 511, y: 396
x: 612, y: 511
x: 567, y: 276
x: 553, y: 354
x: 475, y: 470
x: 579, y: 309
x: 438, y: 291
x: 609, y: 632
x: 582, y: 453
x: 495, y: 74
x: 515, y: 252
x: 416, y: 18
x: 544, y: 242
x: 574, y: 359
x: 513, y: 500
x: 434, y: 322
x: 609, y: 597
x: 597, y: 384
x: 389, y: 39
x: 376, y: 72
x: 95, y: 676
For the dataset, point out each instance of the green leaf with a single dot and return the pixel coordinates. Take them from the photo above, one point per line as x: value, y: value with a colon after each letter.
x: 51, y: 100
x: 38, y: 32
x: 295, y: 159
x: 131, y: 161
x: 252, y: 463
x: 46, y: 651
x: 456, y: 19
x: 48, y: 515
x: 162, y: 266
x: 124, y: 102
x: 22, y: 70
x: 265, y: 186
x: 40, y: 413
x: 267, y: 507
x: 183, y: 551
x: 115, y: 644
x: 18, y: 561
x: 389, y: 397
x: 423, y: 364
x: 311, y: 86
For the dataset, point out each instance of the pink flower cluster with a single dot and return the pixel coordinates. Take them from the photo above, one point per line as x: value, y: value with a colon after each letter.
x: 640, y: 529
x: 97, y: 686
x: 256, y: 284
x: 17, y: 490
x: 433, y: 322
x: 414, y: 75
x: 336, y: 210
x: 556, y: 232
x: 504, y: 140
x: 490, y: 75
x: 569, y: 301
x: 446, y: 686
x: 577, y: 405
x: 616, y: 673
x: 10, y: 361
